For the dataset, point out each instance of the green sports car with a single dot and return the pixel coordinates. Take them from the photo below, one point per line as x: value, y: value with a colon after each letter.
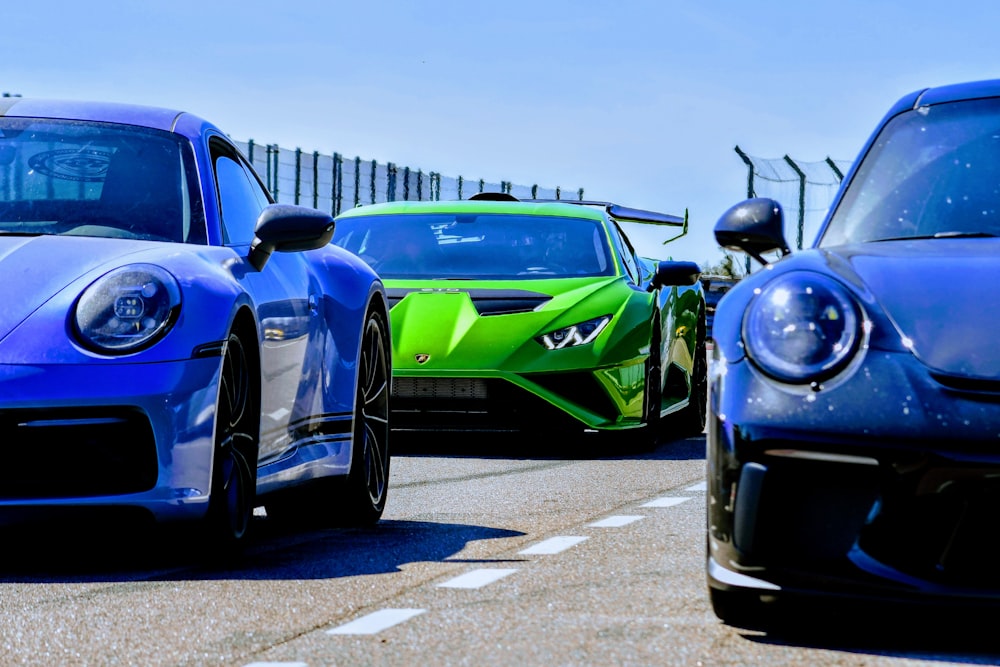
x: 534, y: 315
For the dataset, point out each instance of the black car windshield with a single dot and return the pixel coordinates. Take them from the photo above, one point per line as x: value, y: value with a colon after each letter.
x: 933, y: 172
x: 97, y: 179
x: 481, y: 246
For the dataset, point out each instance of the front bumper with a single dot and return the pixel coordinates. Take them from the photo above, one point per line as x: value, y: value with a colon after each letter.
x: 121, y: 435
x: 886, y: 484
x: 601, y: 399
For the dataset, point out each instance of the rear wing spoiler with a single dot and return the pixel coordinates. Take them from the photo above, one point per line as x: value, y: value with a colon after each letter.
x: 628, y: 214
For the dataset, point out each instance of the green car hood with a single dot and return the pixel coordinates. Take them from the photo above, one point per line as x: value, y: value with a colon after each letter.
x: 490, y: 327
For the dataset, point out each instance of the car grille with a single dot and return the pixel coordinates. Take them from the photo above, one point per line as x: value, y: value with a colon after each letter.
x: 494, y: 405
x: 75, y: 452
x: 440, y: 388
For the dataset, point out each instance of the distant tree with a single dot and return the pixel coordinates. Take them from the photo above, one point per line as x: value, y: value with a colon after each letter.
x: 728, y: 267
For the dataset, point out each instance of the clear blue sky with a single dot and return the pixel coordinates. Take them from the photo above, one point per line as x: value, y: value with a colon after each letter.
x: 641, y: 102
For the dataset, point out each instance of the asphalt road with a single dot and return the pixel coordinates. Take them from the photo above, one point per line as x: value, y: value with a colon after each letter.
x: 505, y: 552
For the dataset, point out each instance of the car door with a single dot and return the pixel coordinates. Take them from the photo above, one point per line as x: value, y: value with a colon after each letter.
x: 287, y: 300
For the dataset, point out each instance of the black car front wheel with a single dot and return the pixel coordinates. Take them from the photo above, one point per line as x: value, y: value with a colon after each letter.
x: 234, y: 465
x: 367, y: 485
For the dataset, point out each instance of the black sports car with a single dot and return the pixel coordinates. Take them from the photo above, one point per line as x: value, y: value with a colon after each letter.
x: 854, y: 401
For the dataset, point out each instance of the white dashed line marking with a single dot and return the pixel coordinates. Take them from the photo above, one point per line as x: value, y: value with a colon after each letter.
x: 375, y: 622
x: 700, y: 486
x: 277, y: 664
x: 477, y: 578
x: 553, y: 545
x: 666, y: 501
x: 616, y: 521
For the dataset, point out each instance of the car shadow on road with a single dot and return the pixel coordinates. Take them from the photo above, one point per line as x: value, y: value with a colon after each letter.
x: 543, y: 447
x: 947, y: 633
x: 64, y: 554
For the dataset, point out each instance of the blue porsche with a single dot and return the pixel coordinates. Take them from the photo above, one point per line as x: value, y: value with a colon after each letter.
x: 854, y: 402
x: 174, y: 344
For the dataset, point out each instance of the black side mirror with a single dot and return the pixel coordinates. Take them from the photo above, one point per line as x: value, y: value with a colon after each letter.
x: 674, y: 274
x: 288, y: 228
x: 754, y: 226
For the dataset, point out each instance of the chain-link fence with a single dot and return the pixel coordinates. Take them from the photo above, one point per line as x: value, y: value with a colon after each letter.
x: 332, y: 183
x: 804, y: 189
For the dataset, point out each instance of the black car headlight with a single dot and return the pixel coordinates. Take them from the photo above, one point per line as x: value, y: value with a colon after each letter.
x: 802, y: 327
x: 577, y: 334
x: 127, y: 309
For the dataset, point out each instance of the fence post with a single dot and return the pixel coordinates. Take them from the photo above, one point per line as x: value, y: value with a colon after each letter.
x: 315, y: 179
x: 273, y: 154
x: 357, y: 181
x: 298, y: 176
x: 390, y: 181
x: 802, y: 199
x: 459, y: 187
x: 336, y: 183
x: 749, y: 163
x: 406, y: 184
x: 835, y: 168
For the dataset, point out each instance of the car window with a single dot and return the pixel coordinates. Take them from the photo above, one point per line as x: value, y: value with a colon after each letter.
x: 97, y: 179
x: 483, y: 246
x: 241, y: 197
x: 932, y: 171
x: 625, y: 252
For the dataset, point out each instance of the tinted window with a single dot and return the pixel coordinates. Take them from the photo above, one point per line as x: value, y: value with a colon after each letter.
x: 97, y: 179
x: 931, y: 171
x: 242, y: 199
x: 477, y: 245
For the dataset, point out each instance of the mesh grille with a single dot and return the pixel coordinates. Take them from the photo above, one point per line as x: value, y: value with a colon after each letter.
x: 439, y: 388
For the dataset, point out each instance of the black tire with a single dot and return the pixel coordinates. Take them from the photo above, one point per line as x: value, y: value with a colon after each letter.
x: 234, y: 465
x: 650, y: 437
x: 366, y: 488
x: 741, y: 610
x: 359, y: 499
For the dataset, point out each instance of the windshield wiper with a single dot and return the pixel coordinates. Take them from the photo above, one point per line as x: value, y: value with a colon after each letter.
x: 941, y: 235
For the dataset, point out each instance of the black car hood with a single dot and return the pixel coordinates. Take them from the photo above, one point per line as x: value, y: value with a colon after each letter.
x: 943, y: 295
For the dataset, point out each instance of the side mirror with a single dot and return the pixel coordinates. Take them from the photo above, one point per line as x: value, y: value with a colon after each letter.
x: 288, y: 228
x: 674, y: 274
x: 754, y: 226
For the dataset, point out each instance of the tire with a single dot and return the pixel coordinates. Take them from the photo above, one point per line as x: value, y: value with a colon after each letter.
x: 366, y: 488
x: 738, y: 609
x: 650, y: 436
x: 234, y: 464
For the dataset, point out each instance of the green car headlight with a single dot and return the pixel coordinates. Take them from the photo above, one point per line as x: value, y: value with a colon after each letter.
x: 577, y: 334
x: 802, y: 327
x: 127, y: 309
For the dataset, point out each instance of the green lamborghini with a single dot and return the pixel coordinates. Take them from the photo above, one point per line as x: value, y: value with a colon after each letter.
x: 512, y: 315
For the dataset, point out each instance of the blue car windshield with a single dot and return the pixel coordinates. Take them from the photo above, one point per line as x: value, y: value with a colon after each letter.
x: 97, y: 179
x: 483, y: 246
x: 932, y: 172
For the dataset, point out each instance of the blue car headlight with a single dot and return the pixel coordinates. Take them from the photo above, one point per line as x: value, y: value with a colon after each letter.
x: 577, y: 334
x: 127, y: 310
x: 802, y: 327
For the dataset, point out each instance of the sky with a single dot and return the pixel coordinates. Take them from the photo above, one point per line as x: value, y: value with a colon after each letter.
x: 639, y: 102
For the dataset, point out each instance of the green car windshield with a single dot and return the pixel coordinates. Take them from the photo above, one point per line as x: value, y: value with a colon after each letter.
x: 484, y: 246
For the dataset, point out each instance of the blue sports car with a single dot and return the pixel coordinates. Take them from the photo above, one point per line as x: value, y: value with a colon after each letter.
x: 173, y: 343
x: 854, y: 404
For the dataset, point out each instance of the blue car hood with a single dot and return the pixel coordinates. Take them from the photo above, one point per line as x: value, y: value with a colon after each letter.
x: 34, y: 268
x: 943, y: 295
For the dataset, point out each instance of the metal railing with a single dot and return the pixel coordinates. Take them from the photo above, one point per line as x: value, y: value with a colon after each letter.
x: 332, y: 183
